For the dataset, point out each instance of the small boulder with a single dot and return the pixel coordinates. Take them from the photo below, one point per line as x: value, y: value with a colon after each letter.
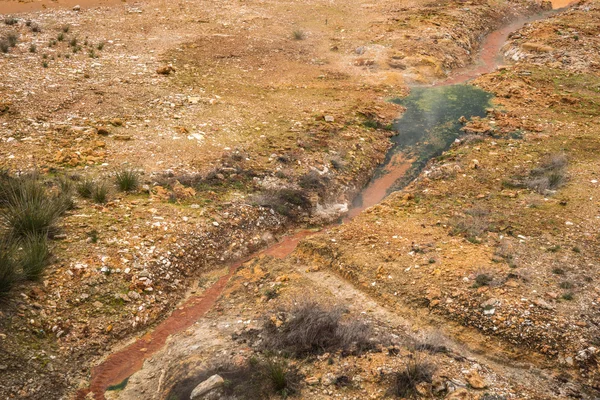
x: 165, y: 70
x: 206, y: 386
x: 476, y: 381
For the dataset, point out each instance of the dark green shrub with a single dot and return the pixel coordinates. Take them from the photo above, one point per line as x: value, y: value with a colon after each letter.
x: 282, y: 380
x: 28, y: 208
x: 85, y: 188
x: 34, y: 255
x: 100, y: 193
x: 8, y: 266
x: 127, y: 180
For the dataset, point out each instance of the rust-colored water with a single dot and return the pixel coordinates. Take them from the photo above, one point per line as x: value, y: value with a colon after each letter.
x: 125, y: 362
x: 377, y: 190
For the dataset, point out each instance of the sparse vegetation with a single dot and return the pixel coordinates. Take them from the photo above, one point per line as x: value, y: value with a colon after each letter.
x: 100, y: 193
x: 28, y: 208
x: 550, y: 175
x: 66, y: 28
x: 100, y: 46
x: 34, y: 255
x: 566, y: 285
x: 256, y: 379
x: 568, y: 296
x: 288, y: 202
x: 85, y: 188
x: 272, y: 293
x: 28, y: 213
x: 10, y: 21
x: 298, y: 34
x: 12, y: 38
x: 482, y: 280
x: 4, y: 46
x: 32, y: 48
x: 93, y: 236
x: 8, y: 266
x: 311, y: 328
x: 472, y: 224
x: 404, y: 383
x: 313, y: 181
x: 127, y: 180
x: 60, y: 37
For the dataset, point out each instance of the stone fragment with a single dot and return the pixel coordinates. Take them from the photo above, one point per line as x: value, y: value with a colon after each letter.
x: 475, y: 380
x: 536, y: 47
x: 460, y: 394
x: 165, y: 70
x: 206, y: 386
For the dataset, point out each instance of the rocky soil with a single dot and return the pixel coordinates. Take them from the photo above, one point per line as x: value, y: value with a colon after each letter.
x: 223, y: 107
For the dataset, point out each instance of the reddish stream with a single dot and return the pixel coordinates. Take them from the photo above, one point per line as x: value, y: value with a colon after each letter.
x: 120, y: 365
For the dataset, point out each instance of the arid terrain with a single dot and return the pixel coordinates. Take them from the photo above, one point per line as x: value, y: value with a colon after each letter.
x: 210, y: 159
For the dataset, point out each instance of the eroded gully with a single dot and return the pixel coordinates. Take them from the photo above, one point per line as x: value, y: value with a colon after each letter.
x: 121, y: 364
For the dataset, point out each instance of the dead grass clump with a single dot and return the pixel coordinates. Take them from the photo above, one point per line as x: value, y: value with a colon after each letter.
x: 549, y: 175
x: 288, y: 202
x: 482, y: 279
x: 10, y: 21
x: 4, y: 45
x: 308, y: 327
x: 404, y: 383
x: 473, y: 224
x: 314, y: 181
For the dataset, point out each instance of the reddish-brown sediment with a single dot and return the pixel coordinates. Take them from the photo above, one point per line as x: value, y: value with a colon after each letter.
x: 489, y: 54
x: 123, y: 363
x: 377, y: 190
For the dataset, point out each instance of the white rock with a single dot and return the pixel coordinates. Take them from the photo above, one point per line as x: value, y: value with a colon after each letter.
x: 211, y: 383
